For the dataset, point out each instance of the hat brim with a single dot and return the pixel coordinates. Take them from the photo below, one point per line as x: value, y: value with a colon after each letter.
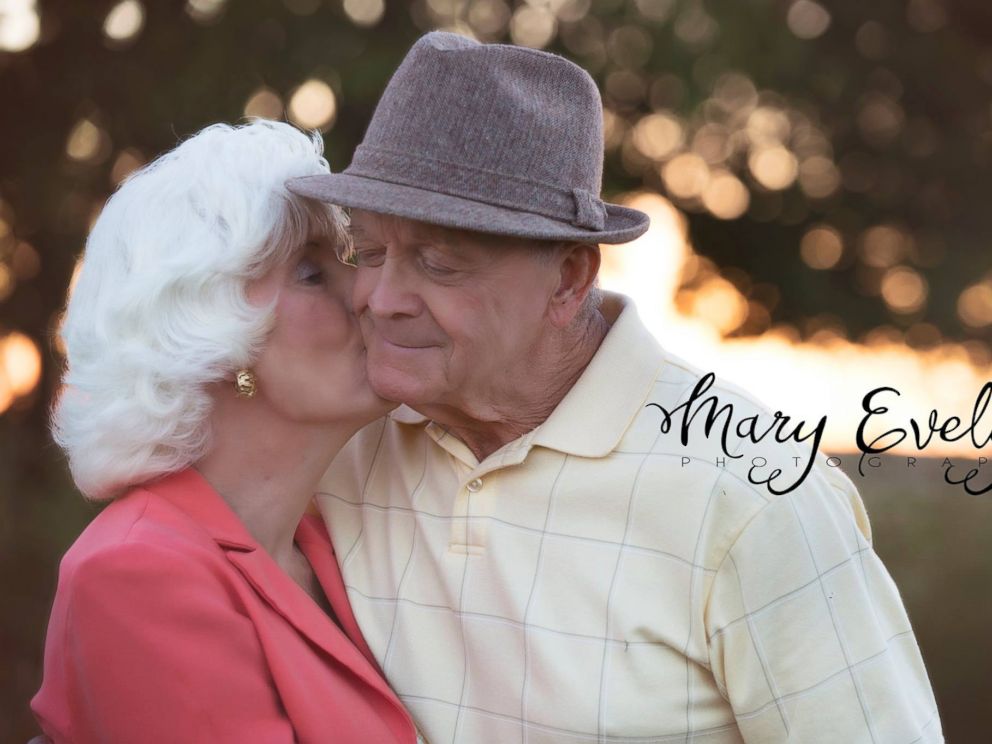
x: 358, y: 192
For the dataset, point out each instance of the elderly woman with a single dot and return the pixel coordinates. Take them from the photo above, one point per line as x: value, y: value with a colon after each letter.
x: 214, y: 368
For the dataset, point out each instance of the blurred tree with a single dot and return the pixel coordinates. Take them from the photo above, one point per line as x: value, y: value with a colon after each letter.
x: 829, y: 156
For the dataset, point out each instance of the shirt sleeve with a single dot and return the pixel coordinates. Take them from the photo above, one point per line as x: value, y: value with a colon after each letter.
x: 156, y: 650
x: 808, y: 636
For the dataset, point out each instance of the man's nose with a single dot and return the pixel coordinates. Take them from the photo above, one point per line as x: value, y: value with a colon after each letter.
x: 387, y: 290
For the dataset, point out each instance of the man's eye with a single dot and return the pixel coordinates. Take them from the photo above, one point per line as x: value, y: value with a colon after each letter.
x: 436, y: 269
x: 368, y: 256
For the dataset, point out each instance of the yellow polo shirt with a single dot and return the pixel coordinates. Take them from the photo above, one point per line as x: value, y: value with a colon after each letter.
x: 597, y: 580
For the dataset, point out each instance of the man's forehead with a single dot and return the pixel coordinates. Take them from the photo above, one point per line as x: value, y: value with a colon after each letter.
x: 366, y: 224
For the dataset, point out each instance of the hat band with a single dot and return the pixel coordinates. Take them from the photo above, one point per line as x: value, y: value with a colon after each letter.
x: 577, y: 207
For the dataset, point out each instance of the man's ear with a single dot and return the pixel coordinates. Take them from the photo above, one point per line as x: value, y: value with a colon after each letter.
x: 577, y: 269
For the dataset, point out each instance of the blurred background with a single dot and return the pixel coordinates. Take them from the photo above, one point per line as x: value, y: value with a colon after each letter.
x: 817, y: 175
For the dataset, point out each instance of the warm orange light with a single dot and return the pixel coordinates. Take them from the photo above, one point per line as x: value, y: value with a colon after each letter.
x: 21, y: 362
x: 903, y: 289
x: 975, y: 305
x: 313, y: 105
x: 818, y: 177
x: 7, y: 282
x: 128, y: 161
x: 774, y: 167
x: 795, y: 376
x: 807, y: 19
x: 533, y: 26
x: 364, y: 12
x: 686, y: 175
x: 821, y: 247
x: 264, y: 102
x: 725, y: 196
x: 719, y: 303
x: 768, y: 126
x: 658, y: 135
x: 124, y: 21
x: 6, y: 397
x: 883, y: 246
x: 87, y: 143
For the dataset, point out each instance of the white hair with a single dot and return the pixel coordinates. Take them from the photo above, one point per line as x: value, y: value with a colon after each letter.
x: 160, y: 311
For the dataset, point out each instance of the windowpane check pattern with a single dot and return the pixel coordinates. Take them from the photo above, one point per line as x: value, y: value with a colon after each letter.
x: 586, y: 583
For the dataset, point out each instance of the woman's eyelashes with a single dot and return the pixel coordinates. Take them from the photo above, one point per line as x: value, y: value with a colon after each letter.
x: 310, y: 272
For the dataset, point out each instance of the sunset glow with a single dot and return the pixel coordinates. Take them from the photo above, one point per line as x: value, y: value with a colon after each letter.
x: 829, y: 376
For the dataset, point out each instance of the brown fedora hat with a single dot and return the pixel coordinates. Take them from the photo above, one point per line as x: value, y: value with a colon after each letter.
x: 487, y: 137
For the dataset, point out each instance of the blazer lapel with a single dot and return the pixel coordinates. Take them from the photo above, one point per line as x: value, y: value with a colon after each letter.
x: 290, y: 601
x: 190, y: 492
x: 316, y: 545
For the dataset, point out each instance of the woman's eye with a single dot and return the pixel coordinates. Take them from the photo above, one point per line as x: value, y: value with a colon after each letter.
x: 309, y: 272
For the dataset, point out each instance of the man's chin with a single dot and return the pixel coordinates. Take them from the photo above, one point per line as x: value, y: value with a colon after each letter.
x: 397, y: 386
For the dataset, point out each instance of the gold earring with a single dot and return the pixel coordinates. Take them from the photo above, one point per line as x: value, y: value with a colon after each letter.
x: 245, y: 383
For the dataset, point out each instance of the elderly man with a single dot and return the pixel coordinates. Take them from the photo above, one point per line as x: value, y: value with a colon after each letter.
x: 525, y: 548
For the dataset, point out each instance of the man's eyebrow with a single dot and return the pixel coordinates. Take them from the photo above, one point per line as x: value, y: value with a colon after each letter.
x: 358, y: 233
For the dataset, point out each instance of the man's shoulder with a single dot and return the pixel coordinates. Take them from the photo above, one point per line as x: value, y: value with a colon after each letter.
x: 730, y: 463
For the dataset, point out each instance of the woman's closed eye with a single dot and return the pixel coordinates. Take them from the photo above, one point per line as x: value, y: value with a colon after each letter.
x: 309, y: 271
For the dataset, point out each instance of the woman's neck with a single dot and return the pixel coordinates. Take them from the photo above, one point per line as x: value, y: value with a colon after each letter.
x: 267, y: 468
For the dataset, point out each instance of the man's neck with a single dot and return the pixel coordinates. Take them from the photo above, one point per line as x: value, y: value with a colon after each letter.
x: 484, y: 434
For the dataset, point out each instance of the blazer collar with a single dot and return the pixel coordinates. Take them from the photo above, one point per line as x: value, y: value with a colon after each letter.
x: 190, y: 492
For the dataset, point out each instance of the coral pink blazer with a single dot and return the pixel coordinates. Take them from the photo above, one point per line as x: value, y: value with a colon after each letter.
x: 171, y: 624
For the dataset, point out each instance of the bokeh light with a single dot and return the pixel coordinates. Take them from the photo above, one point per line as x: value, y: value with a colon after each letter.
x: 20, y: 26
x: 20, y: 367
x: 686, y: 175
x: 264, y: 102
x: 87, y: 142
x: 533, y: 26
x: 127, y: 161
x: 773, y: 167
x: 821, y: 247
x: 489, y: 18
x: 205, y: 11
x: 725, y: 196
x: 975, y: 305
x: 124, y: 21
x: 313, y: 105
x: 7, y: 282
x: 655, y: 10
x: 925, y: 15
x: 818, y: 177
x: 25, y: 262
x: 903, y: 289
x: 883, y: 246
x: 364, y: 13
x: 807, y: 19
x: 658, y: 135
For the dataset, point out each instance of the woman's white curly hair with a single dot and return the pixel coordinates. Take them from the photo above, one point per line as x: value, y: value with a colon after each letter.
x: 159, y: 310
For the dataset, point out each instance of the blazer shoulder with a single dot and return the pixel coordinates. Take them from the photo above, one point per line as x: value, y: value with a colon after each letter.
x: 140, y: 523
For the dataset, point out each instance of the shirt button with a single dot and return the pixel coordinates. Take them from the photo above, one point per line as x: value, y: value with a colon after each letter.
x: 475, y: 485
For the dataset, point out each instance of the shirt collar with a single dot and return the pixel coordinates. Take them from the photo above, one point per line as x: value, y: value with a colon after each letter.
x: 592, y: 417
